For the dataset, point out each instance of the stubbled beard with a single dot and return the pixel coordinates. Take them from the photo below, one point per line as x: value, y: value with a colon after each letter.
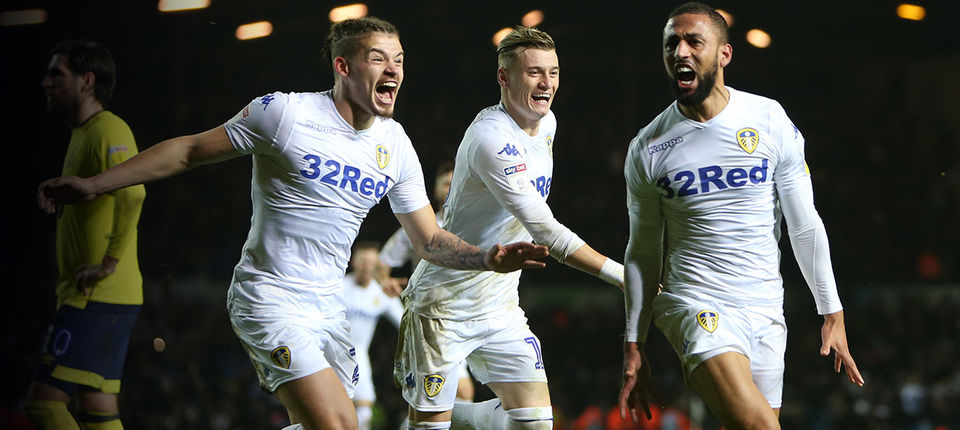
x: 706, y: 84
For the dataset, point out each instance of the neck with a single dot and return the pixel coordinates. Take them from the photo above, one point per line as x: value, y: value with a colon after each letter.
x: 528, y: 126
x: 710, y: 107
x: 86, y: 109
x: 353, y: 114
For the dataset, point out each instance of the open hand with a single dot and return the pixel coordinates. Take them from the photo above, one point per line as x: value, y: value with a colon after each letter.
x: 516, y: 256
x: 63, y: 190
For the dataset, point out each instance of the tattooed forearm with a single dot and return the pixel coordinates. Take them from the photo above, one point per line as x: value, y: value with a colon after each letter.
x: 447, y: 250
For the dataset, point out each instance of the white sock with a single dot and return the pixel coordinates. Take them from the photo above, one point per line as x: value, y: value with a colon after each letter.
x: 536, y: 418
x: 488, y: 415
x: 364, y: 414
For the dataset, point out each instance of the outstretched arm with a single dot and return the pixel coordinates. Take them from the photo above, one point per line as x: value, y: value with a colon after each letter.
x: 808, y: 237
x: 162, y: 160
x: 441, y: 247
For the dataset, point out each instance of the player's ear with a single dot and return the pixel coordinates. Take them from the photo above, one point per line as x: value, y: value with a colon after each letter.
x: 341, y: 67
x: 726, y: 54
x: 88, y: 80
x: 502, y: 77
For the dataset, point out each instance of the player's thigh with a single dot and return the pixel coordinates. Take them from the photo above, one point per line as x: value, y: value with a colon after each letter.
x: 96, y: 401
x: 726, y: 385
x: 43, y: 391
x: 318, y: 401
x: 521, y: 394
x: 87, y: 347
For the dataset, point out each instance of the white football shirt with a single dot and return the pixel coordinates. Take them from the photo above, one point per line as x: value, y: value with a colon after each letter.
x: 502, y: 175
x: 314, y: 179
x: 717, y: 186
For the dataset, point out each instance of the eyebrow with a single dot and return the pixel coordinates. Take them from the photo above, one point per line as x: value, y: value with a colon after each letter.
x: 382, y: 52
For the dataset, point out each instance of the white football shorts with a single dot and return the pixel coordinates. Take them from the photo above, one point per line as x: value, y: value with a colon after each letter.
x: 500, y: 348
x: 290, y: 340
x: 700, y: 330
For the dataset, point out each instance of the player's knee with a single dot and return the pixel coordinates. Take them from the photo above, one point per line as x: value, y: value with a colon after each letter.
x: 530, y: 418
x: 756, y: 420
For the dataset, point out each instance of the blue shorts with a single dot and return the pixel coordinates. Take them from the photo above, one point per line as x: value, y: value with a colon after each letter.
x: 87, y: 347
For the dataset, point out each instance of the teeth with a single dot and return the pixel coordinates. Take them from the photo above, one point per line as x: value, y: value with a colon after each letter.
x: 389, y: 84
x: 682, y: 69
x: 542, y: 96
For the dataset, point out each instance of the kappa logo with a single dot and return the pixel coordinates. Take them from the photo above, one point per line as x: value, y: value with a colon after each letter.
x: 432, y: 384
x: 510, y: 150
x: 383, y: 156
x: 281, y: 356
x: 265, y: 100
x: 748, y: 138
x: 411, y: 383
x: 708, y: 320
x: 653, y: 149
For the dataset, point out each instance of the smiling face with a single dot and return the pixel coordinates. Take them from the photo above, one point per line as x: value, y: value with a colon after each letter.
x: 529, y: 83
x: 372, y: 76
x: 694, y: 55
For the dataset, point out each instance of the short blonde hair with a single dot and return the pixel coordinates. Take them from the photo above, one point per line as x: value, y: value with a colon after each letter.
x: 519, y: 40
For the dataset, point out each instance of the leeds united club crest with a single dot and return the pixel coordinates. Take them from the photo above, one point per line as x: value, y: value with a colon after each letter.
x: 708, y: 320
x: 748, y: 138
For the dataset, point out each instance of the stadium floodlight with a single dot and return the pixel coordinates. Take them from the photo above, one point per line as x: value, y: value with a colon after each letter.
x: 254, y: 30
x: 12, y: 18
x: 498, y: 36
x: 727, y: 16
x: 181, y: 5
x: 350, y: 11
x: 532, y: 18
x: 758, y: 38
x: 911, y: 12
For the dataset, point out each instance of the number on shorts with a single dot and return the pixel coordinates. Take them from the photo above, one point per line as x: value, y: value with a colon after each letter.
x: 536, y: 348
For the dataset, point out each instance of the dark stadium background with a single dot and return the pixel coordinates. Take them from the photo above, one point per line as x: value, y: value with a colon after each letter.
x: 874, y: 95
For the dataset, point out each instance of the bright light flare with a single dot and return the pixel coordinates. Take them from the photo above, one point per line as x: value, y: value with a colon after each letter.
x: 532, y: 18
x: 498, y: 36
x: 911, y: 12
x: 179, y: 5
x: 254, y: 30
x: 350, y: 11
x: 23, y: 17
x: 758, y: 38
x: 727, y: 16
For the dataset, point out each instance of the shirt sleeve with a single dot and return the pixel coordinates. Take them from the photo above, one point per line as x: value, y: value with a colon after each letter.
x: 262, y: 124
x: 643, y: 257
x: 808, y: 236
x: 506, y: 178
x: 394, y: 310
x: 118, y: 145
x: 396, y: 250
x: 409, y: 194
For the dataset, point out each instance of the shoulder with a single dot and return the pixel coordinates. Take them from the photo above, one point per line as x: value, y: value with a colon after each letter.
x: 747, y: 102
x: 655, y: 130
x: 107, y: 121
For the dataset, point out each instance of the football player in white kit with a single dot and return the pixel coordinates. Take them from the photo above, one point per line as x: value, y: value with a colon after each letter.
x: 398, y: 250
x: 502, y: 177
x: 366, y: 303
x: 717, y: 169
x: 320, y: 162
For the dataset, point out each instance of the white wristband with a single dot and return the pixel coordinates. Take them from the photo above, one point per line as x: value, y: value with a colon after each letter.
x: 611, y: 272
